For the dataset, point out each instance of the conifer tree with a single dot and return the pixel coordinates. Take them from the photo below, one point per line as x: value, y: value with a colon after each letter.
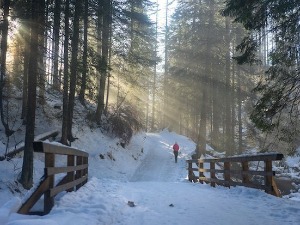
x: 26, y: 178
x: 279, y: 85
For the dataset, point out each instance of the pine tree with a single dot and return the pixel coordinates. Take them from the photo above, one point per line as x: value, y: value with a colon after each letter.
x: 203, y: 76
x: 27, y: 169
x: 73, y: 66
x: 278, y: 87
x: 3, y: 75
x: 55, y: 43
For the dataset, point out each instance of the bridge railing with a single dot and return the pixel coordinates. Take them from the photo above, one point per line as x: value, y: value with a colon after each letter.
x: 236, y: 171
x: 75, y: 170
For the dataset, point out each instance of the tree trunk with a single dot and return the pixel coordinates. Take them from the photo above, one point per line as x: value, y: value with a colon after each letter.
x: 201, y: 143
x: 233, y: 103
x: 26, y: 37
x: 154, y: 73
x: 27, y: 170
x: 25, y: 78
x: 104, y: 60
x: 228, y: 147
x: 84, y: 56
x: 3, y: 78
x: 166, y: 98
x: 109, y: 56
x: 239, y: 102
x: 42, y: 51
x: 65, y: 122
x: 55, y: 44
x: 74, y: 69
x: 108, y: 74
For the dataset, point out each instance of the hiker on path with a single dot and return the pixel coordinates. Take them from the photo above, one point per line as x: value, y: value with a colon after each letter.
x: 175, y: 151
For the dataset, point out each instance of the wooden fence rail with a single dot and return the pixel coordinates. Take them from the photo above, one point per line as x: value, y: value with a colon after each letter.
x: 76, y: 176
x: 20, y: 146
x: 236, y: 171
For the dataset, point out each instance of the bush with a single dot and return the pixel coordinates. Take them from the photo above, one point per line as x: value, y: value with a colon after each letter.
x: 123, y: 122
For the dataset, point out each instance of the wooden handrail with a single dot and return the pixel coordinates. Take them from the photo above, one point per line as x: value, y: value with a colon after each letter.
x: 20, y: 146
x: 247, y: 158
x: 76, y: 176
x: 230, y: 172
x: 46, y: 147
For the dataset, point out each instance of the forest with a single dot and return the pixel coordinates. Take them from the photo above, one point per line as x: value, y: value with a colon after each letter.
x: 221, y: 72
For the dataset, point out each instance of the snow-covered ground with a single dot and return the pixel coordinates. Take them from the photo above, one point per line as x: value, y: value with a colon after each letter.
x: 145, y: 174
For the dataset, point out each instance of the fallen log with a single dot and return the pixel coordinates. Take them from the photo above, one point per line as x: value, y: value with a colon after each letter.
x: 20, y: 147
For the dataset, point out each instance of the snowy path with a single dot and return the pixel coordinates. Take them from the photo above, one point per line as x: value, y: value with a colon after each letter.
x: 162, y: 196
x: 159, y: 164
x: 100, y: 202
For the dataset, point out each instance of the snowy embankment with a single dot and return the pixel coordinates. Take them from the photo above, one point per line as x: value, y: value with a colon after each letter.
x: 146, y: 175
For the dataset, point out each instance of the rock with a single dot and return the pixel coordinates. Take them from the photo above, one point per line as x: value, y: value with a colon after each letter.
x: 131, y: 204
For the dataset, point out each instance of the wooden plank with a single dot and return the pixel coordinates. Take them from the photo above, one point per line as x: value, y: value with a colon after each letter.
x: 63, y: 181
x: 48, y: 200
x: 46, y: 147
x: 212, y: 170
x: 54, y: 191
x: 275, y: 189
x: 254, y: 172
x: 71, y: 174
x: 20, y: 147
x: 259, y: 157
x: 191, y: 174
x: 55, y: 170
x: 79, y: 173
x: 212, y: 173
x: 86, y: 171
x: 201, y: 174
x: 239, y: 172
x: 227, y: 173
x: 245, y: 168
x: 192, y: 160
x: 268, y: 179
x: 208, y: 160
x: 36, y: 195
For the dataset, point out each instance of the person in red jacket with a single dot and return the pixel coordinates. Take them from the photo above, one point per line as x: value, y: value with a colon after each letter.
x: 175, y: 151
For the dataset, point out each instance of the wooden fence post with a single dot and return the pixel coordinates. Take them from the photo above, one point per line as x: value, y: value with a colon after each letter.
x: 85, y: 161
x: 212, y: 173
x: 190, y: 166
x: 201, y: 174
x: 70, y: 175
x: 79, y: 161
x: 48, y: 200
x: 227, y: 173
x: 268, y: 178
x: 245, y: 169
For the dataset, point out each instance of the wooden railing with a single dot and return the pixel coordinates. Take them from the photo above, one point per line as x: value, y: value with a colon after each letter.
x: 20, y: 146
x: 236, y: 171
x: 76, y: 171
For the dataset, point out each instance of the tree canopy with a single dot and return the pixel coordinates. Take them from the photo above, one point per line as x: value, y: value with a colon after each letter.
x: 279, y: 86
